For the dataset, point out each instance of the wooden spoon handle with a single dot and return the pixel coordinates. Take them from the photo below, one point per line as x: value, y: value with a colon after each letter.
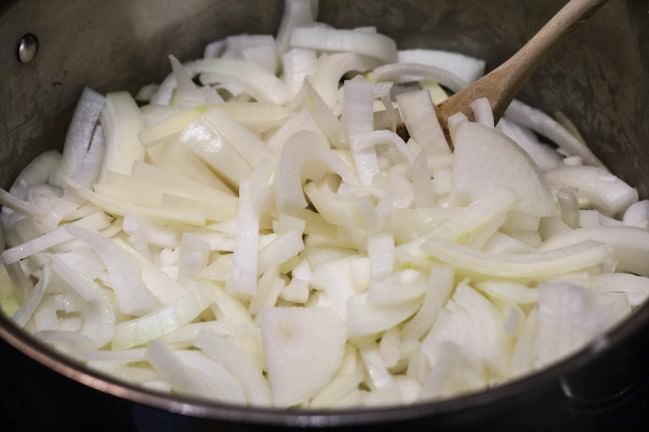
x: 501, y: 85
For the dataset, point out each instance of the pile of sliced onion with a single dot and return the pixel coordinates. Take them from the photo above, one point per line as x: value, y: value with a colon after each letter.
x: 266, y: 237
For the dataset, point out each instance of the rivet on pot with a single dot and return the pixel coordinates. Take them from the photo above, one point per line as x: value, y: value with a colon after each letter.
x: 27, y: 48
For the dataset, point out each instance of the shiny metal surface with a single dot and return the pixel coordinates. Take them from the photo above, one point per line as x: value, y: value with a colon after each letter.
x: 599, y: 78
x: 27, y: 48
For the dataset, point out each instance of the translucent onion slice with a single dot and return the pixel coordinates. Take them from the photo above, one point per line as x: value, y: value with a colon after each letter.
x: 630, y: 245
x: 542, y: 123
x: 606, y: 191
x: 122, y: 122
x: 534, y: 266
x: 163, y: 321
x: 420, y: 118
x: 132, y: 296
x: 238, y: 364
x: 80, y: 133
x: 297, y: 368
x: 467, y: 68
x: 324, y: 39
x: 259, y: 82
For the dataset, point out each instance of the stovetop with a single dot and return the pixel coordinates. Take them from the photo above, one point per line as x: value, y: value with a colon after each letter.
x: 33, y: 398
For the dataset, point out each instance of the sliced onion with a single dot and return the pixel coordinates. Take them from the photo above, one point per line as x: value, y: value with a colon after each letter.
x: 420, y: 118
x: 369, y: 44
x: 467, y: 68
x: 603, y: 189
x: 630, y: 245
x: 80, y: 132
x: 579, y: 256
x: 546, y: 126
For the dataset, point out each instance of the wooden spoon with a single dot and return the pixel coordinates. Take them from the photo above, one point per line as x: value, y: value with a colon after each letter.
x: 503, y: 83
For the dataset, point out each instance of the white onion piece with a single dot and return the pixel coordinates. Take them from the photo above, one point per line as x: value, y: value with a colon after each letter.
x: 297, y: 13
x: 548, y: 127
x: 358, y: 120
x: 298, y: 64
x: 256, y: 116
x: 146, y: 92
x: 475, y: 325
x: 569, y: 316
x: 243, y: 279
x: 156, y: 324
x: 390, y: 347
x: 323, y: 116
x: 286, y: 246
x: 18, y: 205
x: 132, y: 296
x: 545, y: 157
x: 162, y: 130
x: 637, y: 215
x: 177, y: 182
x: 193, y: 257
x: 297, y: 367
x: 238, y: 364
x: 96, y: 221
x: 214, y: 49
x: 85, y: 287
x: 369, y: 44
x: 635, y: 287
x: 470, y: 220
x: 331, y: 68
x: 341, y: 279
x: 364, y: 318
x: 91, y: 167
x: 482, y: 112
x: 122, y: 122
x: 478, y: 168
x: 420, y: 118
x: 630, y: 245
x: 500, y: 243
x: 606, y: 191
x: 171, y: 369
x: 380, y: 250
x: 98, y: 319
x: 523, y: 354
x: 533, y: 266
x: 509, y: 291
x: 215, y: 151
x: 300, y: 148
x: 467, y: 68
x: 400, y: 287
x: 569, y: 206
x: 404, y: 72
x: 336, y: 392
x: 222, y: 383
x: 378, y: 374
x: 384, y: 137
x: 26, y: 310
x: 173, y: 185
x: 38, y: 171
x: 264, y: 55
x: 187, y: 94
x: 344, y: 211
x: 241, y: 139
x: 259, y: 82
x: 121, y: 208
x: 79, y: 134
x: 440, y: 288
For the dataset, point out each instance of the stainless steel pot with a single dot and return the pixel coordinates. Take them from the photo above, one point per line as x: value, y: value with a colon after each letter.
x: 599, y: 78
